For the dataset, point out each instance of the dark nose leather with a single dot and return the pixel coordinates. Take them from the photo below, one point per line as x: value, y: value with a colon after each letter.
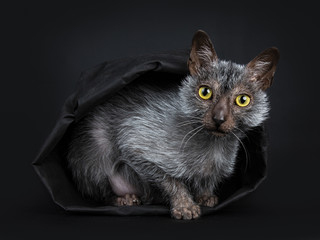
x: 218, y: 121
x: 220, y: 112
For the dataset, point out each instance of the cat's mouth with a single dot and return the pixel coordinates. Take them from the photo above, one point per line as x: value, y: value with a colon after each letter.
x: 217, y: 132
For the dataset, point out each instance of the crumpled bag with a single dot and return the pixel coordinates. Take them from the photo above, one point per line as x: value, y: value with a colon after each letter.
x: 98, y: 84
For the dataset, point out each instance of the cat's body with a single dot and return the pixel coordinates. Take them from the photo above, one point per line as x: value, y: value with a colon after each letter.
x: 178, y: 143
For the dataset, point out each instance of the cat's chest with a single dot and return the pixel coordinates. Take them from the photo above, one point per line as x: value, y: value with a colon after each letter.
x: 213, y: 158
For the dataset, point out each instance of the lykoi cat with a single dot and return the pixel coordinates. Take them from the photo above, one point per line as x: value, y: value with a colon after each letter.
x: 178, y: 144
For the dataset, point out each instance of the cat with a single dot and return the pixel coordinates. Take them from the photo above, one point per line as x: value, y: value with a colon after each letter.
x: 178, y: 144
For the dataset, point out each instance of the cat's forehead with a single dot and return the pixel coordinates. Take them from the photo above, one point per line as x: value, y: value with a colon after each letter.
x: 227, y: 74
x: 222, y: 76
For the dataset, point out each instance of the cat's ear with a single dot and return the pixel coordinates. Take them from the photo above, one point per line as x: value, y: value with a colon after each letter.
x: 262, y: 68
x: 202, y: 52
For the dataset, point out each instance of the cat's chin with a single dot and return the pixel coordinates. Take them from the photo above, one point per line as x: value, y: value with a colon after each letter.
x: 218, y: 133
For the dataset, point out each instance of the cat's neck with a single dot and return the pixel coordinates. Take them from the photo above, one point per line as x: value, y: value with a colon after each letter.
x: 195, y: 137
x: 212, y: 156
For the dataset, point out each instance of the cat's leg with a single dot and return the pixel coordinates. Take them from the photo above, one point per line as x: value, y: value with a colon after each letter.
x: 89, y: 164
x: 127, y: 200
x: 128, y: 187
x: 126, y: 193
x: 182, y: 204
x: 204, y: 193
x: 207, y: 200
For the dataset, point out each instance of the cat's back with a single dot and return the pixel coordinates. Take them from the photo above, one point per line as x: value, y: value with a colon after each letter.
x: 133, y: 109
x: 137, y: 116
x: 139, y: 100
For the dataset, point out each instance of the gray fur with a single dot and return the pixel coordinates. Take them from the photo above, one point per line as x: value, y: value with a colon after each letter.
x: 155, y: 140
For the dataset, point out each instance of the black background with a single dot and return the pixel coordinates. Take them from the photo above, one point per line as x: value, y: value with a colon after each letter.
x: 45, y: 46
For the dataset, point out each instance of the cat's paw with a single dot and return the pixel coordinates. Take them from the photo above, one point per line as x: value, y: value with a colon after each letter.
x: 207, y: 201
x: 187, y: 213
x: 127, y: 200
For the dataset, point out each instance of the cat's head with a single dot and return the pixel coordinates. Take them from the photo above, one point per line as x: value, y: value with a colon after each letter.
x: 226, y: 96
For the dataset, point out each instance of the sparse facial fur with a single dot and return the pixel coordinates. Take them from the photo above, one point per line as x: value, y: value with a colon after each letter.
x: 180, y: 144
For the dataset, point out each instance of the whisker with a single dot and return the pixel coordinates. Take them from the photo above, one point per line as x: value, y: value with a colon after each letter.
x: 245, y: 151
x: 192, y: 117
x: 241, y: 131
x: 201, y: 127
x: 190, y: 132
x: 187, y: 123
x: 196, y: 130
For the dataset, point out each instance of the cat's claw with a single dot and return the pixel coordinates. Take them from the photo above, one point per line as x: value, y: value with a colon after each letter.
x: 207, y: 201
x: 187, y: 213
x: 127, y: 200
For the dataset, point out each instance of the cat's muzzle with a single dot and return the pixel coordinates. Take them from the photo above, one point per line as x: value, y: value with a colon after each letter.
x: 218, y: 132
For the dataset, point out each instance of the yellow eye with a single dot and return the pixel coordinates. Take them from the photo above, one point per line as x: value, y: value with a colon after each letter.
x: 205, y: 93
x: 243, y: 100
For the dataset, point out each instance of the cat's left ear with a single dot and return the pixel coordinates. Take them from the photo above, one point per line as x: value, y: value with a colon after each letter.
x: 262, y: 68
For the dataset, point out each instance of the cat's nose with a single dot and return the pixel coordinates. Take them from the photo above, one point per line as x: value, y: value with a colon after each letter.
x: 220, y: 112
x: 218, y: 120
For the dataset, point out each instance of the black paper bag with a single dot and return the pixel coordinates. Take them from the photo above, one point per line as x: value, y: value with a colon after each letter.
x: 98, y: 84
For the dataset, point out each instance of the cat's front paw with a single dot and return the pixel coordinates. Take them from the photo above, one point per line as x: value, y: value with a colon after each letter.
x: 207, y: 201
x: 187, y: 213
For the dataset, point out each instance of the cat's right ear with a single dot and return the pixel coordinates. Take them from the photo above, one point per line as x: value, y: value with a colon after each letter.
x: 202, y: 53
x: 262, y: 68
